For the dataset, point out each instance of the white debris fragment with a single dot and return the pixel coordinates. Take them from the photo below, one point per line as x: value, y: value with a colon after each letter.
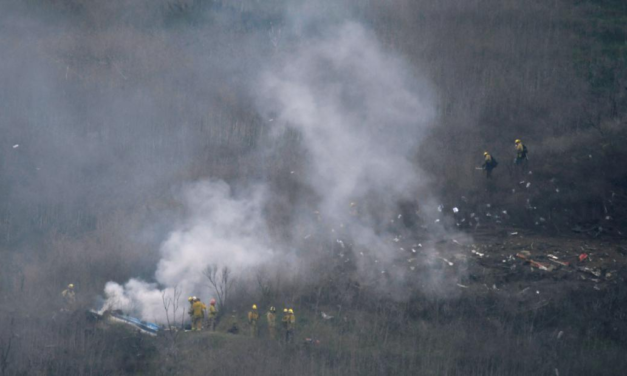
x: 307, y: 236
x: 437, y: 220
x: 472, y: 215
x: 291, y: 172
x: 560, y: 334
x: 16, y: 146
x: 488, y: 205
x: 396, y: 240
x: 557, y: 190
x: 530, y: 172
x: 590, y: 156
x: 440, y: 207
x: 456, y: 242
x: 412, y: 267
x: 413, y: 250
x: 513, y: 191
x: 447, y: 261
x: 455, y: 210
x: 420, y: 245
x: 338, y: 241
x: 462, y: 286
x: 522, y: 182
x: 538, y: 292
x: 514, y: 233
x: 542, y: 219
x: 361, y: 253
x: 608, y: 218
x: 488, y: 214
x: 504, y: 212
x: 528, y: 185
x: 399, y: 216
x: 553, y: 257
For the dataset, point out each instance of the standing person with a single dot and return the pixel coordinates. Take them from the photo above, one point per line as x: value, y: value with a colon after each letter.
x: 69, y: 298
x: 253, y: 318
x: 521, y: 153
x: 213, y: 314
x: 271, y: 317
x: 489, y: 164
x: 291, y: 322
x: 284, y: 322
x: 198, y: 314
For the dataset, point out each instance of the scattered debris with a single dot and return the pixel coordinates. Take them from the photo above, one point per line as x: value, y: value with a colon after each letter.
x: 528, y: 185
x: 455, y: 210
x: 582, y: 257
x: 16, y: 146
x: 514, y: 233
x: 325, y: 316
x: 462, y: 286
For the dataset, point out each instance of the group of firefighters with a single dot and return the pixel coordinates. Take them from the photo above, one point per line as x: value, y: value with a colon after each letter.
x: 198, y: 310
x: 490, y: 162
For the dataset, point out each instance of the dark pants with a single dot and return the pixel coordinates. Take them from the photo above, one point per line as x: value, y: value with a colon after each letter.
x: 289, y: 335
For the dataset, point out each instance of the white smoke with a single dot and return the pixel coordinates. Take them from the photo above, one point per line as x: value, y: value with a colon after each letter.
x: 361, y: 112
x: 220, y: 229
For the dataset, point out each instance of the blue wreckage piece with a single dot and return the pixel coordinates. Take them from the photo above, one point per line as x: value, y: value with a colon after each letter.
x: 144, y: 326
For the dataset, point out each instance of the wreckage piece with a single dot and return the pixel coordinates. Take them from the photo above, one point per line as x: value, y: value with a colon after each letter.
x: 526, y: 256
x: 595, y: 272
x: 143, y: 326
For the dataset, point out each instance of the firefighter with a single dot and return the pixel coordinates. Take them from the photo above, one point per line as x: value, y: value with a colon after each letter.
x: 198, y: 314
x: 284, y: 322
x: 69, y: 298
x: 521, y: 153
x: 290, y: 323
x: 271, y: 317
x: 489, y: 164
x: 253, y: 317
x: 213, y: 314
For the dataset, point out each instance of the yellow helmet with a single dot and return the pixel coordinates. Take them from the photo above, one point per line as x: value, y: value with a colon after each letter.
x: 254, y: 306
x: 485, y: 153
x: 517, y: 141
x: 190, y: 299
x: 291, y: 310
x: 272, y: 309
x: 70, y: 286
x: 284, y: 310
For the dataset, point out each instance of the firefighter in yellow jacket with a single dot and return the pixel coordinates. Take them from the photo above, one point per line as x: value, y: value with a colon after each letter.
x: 213, y: 315
x: 69, y: 298
x: 198, y: 314
x: 271, y: 317
x: 253, y: 318
x: 288, y: 321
